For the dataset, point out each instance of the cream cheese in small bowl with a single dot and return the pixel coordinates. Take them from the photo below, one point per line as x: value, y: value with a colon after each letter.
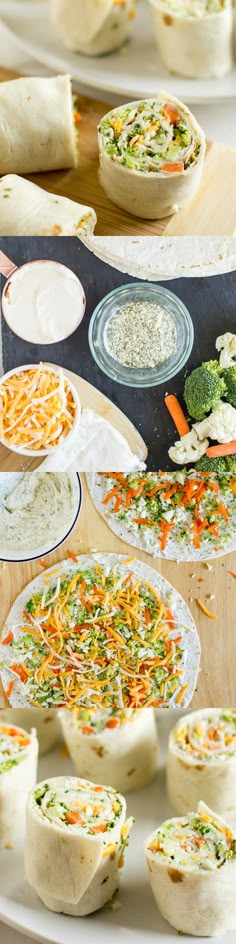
x: 38, y: 511
x: 43, y: 302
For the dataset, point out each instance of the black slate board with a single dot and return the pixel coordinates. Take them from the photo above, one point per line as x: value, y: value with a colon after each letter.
x: 212, y: 305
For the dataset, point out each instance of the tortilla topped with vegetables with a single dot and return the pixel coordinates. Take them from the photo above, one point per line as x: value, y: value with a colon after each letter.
x: 177, y: 515
x: 101, y: 632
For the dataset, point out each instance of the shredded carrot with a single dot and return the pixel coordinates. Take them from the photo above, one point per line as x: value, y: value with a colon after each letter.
x: 9, y: 688
x: 42, y: 562
x: 7, y: 639
x: 73, y: 556
x: 177, y: 414
x: 205, y: 609
x: 232, y: 574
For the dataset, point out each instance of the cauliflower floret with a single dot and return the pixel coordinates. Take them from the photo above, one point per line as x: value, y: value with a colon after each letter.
x: 226, y: 343
x: 220, y: 425
x: 189, y: 448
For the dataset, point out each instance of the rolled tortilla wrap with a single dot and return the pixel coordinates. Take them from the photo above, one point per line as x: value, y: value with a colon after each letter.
x: 93, y: 27
x: 75, y: 839
x: 37, y: 130
x: 108, y: 748
x: 18, y: 770
x: 45, y: 721
x: 202, y: 761
x: 192, y: 871
x: 151, y: 156
x: 27, y: 210
x: 194, y: 38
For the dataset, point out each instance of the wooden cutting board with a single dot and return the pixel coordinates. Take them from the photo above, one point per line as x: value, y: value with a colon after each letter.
x: 95, y: 400
x: 209, y: 214
x: 216, y: 682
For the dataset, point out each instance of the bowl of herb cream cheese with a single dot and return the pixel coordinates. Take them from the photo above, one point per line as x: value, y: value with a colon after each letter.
x: 38, y: 511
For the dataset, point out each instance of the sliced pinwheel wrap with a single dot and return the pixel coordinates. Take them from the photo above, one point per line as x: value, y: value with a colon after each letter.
x: 75, y: 839
x: 192, y: 872
x: 37, y: 126
x: 18, y: 771
x: 202, y: 761
x: 45, y: 721
x: 27, y: 210
x: 194, y: 37
x: 112, y: 747
x: 93, y: 27
x: 151, y: 156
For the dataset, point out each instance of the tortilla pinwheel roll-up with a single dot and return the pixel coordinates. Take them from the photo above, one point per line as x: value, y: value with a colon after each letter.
x: 37, y: 125
x: 93, y: 27
x: 45, y: 721
x: 194, y: 36
x: 18, y: 771
x: 27, y: 210
x: 120, y: 748
x: 76, y: 835
x: 151, y: 156
x: 192, y: 872
x: 202, y: 761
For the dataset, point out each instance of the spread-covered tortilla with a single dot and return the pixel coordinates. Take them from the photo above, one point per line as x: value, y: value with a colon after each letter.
x: 194, y: 37
x: 151, y: 156
x: 93, y: 27
x: 18, y: 769
x: 202, y: 761
x: 28, y: 210
x: 75, y: 840
x: 37, y: 127
x: 177, y: 515
x: 103, y: 632
x: 116, y: 747
x: 192, y: 871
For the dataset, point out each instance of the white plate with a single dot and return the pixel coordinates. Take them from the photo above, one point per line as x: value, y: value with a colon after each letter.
x: 137, y: 919
x: 7, y: 482
x: 155, y: 258
x: 120, y: 73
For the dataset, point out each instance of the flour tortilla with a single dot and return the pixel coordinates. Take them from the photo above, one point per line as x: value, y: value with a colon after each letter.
x: 194, y: 46
x: 27, y: 210
x: 174, y: 549
x: 183, y: 618
x: 152, y: 195
x: 67, y: 868
x: 92, y: 27
x: 188, y: 778
x: 200, y: 902
x: 153, y: 258
x: 45, y: 721
x: 126, y: 757
x: 15, y: 784
x: 37, y: 131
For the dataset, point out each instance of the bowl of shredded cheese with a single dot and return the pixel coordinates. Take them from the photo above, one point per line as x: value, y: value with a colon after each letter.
x: 39, y: 409
x: 141, y: 334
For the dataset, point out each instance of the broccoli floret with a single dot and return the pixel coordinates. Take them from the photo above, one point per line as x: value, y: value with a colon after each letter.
x: 206, y: 464
x: 230, y: 464
x: 229, y: 377
x: 203, y: 389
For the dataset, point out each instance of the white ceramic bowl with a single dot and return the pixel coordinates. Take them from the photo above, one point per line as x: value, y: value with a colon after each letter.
x: 25, y: 268
x: 23, y: 451
x: 15, y: 555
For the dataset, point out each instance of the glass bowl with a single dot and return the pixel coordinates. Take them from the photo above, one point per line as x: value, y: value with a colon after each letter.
x: 145, y: 376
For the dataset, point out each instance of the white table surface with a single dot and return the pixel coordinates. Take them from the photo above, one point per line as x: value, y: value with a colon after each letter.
x: 218, y: 120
